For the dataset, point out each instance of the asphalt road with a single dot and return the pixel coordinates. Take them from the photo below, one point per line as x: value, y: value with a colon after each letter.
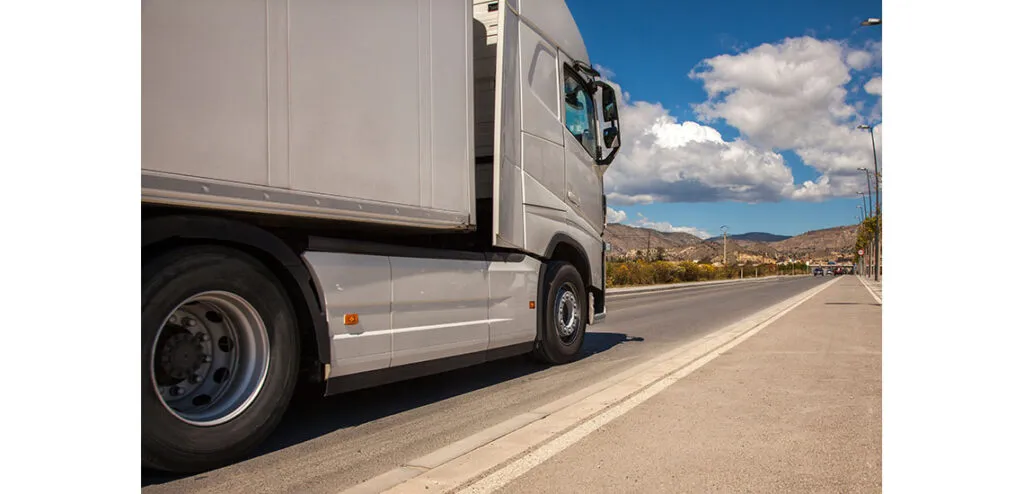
x: 329, y: 444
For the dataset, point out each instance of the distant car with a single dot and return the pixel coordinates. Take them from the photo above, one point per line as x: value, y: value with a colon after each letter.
x: 838, y: 271
x: 819, y: 272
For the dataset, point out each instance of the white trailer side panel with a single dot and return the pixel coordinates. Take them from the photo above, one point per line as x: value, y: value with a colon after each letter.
x: 324, y: 108
x: 204, y: 89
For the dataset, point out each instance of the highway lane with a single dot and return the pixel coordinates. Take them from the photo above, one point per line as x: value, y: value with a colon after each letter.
x: 328, y: 444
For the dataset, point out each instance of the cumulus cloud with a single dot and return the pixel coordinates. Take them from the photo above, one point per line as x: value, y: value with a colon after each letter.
x: 874, y: 86
x: 616, y: 216
x: 664, y: 226
x: 792, y: 95
x: 605, y: 72
x: 858, y: 59
x: 664, y: 160
x: 785, y: 96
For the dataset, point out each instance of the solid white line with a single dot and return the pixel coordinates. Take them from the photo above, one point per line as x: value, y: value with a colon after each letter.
x: 519, y: 467
x: 872, y: 292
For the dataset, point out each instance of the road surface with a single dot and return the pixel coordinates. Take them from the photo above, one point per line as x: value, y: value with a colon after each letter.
x: 329, y: 444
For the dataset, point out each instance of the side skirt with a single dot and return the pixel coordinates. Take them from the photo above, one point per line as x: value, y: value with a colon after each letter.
x: 352, y: 382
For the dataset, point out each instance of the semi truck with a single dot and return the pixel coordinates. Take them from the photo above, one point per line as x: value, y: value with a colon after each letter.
x: 344, y: 194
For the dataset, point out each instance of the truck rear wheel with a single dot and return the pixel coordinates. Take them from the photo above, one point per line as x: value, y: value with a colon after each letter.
x: 564, y: 316
x: 220, y: 356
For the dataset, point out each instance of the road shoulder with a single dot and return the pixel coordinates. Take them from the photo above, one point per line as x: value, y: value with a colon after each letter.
x: 797, y: 407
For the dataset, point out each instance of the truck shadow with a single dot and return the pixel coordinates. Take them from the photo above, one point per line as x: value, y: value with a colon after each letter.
x: 311, y: 416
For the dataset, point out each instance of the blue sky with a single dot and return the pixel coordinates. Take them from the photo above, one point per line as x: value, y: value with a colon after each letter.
x: 791, y: 80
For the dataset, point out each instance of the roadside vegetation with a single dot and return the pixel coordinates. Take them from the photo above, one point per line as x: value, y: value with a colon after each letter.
x: 637, y: 272
x: 865, y: 236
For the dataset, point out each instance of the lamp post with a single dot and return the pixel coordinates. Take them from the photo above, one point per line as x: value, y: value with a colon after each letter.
x: 867, y: 176
x: 871, y: 21
x: 860, y: 217
x: 725, y: 245
x: 864, y: 201
x: 878, y: 196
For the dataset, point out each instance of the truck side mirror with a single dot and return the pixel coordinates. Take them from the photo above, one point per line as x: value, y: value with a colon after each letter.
x: 611, y: 137
x: 610, y: 117
x: 608, y: 103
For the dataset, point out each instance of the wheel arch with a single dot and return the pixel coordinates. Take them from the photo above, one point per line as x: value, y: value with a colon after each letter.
x: 163, y: 233
x: 564, y: 248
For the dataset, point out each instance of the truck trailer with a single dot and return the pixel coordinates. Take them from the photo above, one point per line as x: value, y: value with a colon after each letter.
x: 350, y: 193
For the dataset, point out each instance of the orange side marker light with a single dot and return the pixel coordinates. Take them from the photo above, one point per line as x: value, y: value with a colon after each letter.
x: 533, y: 305
x: 351, y: 319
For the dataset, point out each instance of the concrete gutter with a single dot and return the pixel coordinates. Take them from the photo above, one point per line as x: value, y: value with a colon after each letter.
x: 676, y: 286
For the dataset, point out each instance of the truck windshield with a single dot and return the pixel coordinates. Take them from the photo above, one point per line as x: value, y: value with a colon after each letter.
x: 579, y: 112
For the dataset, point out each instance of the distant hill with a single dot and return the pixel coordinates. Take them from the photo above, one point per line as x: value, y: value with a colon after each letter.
x: 756, y: 247
x: 828, y: 243
x: 755, y: 237
x: 625, y: 238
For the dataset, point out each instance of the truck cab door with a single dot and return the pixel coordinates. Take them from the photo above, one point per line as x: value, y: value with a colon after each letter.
x: 583, y: 178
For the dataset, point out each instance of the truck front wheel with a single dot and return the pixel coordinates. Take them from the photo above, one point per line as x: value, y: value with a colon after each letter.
x: 220, y: 356
x: 564, y: 314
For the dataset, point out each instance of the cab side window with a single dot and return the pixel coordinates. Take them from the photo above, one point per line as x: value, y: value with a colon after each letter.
x: 579, y: 111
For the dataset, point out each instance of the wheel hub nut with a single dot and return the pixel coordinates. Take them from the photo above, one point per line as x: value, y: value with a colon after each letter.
x: 189, y: 322
x: 175, y: 391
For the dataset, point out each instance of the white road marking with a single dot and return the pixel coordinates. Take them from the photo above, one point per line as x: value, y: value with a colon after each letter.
x: 872, y: 292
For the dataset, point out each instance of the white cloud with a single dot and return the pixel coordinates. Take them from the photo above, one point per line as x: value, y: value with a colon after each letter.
x: 616, y: 216
x: 664, y: 226
x: 858, y: 59
x: 663, y: 160
x: 605, y: 72
x: 786, y: 96
x: 874, y: 86
x: 792, y: 95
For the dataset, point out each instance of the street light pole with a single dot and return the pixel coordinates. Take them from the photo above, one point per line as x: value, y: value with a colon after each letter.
x: 725, y: 245
x: 863, y: 200
x: 878, y: 195
x: 867, y: 176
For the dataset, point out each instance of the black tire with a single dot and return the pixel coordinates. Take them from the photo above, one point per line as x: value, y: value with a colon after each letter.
x: 171, y: 444
x: 551, y: 347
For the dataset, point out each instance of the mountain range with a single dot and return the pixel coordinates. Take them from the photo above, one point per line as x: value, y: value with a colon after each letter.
x: 755, y: 237
x: 830, y: 244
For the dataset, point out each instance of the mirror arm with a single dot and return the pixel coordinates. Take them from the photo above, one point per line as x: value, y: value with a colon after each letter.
x: 608, y: 159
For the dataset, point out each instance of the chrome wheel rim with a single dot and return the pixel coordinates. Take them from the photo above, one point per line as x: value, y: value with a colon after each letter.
x: 210, y: 358
x: 567, y: 313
